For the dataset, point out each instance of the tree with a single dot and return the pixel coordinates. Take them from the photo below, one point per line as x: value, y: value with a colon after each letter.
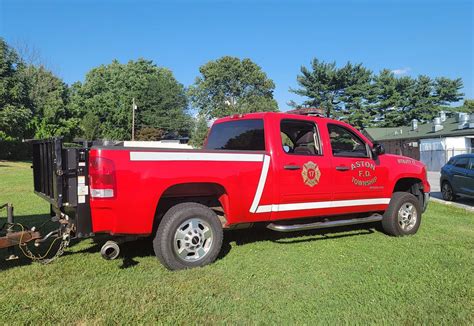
x: 321, y: 85
x: 200, y: 131
x: 468, y: 106
x: 341, y: 92
x: 15, y: 106
x: 149, y: 134
x: 33, y: 101
x: 108, y: 91
x: 355, y: 94
x: 392, y: 98
x: 49, y: 98
x: 447, y: 90
x: 229, y: 86
x: 90, y: 126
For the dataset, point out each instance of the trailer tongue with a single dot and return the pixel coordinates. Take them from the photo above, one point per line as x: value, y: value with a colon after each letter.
x: 10, y: 238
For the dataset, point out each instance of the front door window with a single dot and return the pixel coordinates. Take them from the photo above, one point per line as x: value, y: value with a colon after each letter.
x: 344, y: 143
x: 357, y: 175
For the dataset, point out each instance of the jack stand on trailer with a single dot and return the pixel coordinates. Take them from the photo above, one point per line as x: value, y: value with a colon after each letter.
x: 9, y: 238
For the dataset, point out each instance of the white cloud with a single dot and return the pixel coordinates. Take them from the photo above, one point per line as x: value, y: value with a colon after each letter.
x: 401, y: 71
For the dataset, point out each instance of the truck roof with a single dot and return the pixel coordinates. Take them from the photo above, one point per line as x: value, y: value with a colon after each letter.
x: 262, y: 115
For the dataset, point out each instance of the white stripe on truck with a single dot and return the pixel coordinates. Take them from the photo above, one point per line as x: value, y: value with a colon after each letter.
x: 241, y: 157
x: 321, y: 204
x: 187, y: 156
x: 261, y: 184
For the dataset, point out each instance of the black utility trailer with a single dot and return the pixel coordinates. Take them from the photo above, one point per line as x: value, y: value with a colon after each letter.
x: 60, y: 176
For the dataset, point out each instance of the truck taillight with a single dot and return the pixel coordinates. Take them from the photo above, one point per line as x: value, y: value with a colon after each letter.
x: 102, y: 177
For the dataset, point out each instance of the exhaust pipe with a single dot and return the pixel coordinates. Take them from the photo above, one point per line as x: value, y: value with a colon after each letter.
x: 110, y: 250
x: 323, y: 225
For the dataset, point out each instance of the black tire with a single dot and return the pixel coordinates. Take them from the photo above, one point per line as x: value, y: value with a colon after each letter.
x: 447, y: 191
x: 167, y: 249
x: 392, y: 224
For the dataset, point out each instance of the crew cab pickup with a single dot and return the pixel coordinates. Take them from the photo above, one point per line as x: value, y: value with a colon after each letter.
x: 289, y: 172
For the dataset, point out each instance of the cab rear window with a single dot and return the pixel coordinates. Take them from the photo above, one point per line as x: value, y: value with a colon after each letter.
x: 242, y: 135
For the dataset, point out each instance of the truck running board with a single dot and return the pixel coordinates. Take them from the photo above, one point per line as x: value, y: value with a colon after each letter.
x: 322, y: 225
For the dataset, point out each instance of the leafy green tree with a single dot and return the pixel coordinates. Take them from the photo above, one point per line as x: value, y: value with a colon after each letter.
x: 392, y: 98
x: 322, y: 85
x: 421, y: 98
x: 90, y: 126
x: 230, y: 86
x: 15, y: 105
x: 342, y: 92
x: 422, y: 102
x: 49, y: 97
x: 354, y: 94
x: 199, y: 132
x: 447, y: 90
x: 149, y: 134
x: 468, y: 106
x: 108, y: 91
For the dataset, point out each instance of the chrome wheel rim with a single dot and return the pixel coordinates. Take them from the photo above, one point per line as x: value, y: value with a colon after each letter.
x: 193, y: 240
x: 447, y: 191
x: 407, y: 216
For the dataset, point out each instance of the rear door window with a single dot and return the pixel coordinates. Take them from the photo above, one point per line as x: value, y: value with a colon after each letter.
x: 300, y: 137
x: 243, y: 135
x: 461, y: 162
x: 471, y: 164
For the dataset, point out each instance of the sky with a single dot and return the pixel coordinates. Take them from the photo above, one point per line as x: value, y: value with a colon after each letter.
x: 417, y: 37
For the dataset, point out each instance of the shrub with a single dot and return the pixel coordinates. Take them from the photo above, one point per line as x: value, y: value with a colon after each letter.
x: 15, y: 150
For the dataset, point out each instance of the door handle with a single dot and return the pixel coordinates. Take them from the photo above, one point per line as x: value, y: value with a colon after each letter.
x: 342, y: 168
x: 292, y: 167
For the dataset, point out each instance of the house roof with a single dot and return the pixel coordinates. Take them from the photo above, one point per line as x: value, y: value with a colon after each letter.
x: 450, y: 129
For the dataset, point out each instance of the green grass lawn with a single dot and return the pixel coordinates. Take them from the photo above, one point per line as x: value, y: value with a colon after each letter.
x: 350, y: 275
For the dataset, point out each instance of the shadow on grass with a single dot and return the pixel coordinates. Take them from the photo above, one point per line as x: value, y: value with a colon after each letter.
x: 143, y: 247
x: 260, y: 233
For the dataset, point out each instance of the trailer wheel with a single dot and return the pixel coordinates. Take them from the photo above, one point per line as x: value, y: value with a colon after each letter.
x: 189, y: 235
x: 403, y: 216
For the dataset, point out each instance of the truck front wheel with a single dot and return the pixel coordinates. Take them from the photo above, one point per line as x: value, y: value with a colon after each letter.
x: 403, y: 216
x: 189, y: 235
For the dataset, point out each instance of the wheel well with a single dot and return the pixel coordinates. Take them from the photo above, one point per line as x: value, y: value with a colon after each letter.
x: 411, y: 185
x: 212, y: 195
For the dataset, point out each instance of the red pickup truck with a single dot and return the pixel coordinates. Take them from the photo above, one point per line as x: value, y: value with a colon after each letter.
x: 292, y: 172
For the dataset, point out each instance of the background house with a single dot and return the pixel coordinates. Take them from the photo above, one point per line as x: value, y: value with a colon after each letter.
x: 432, y: 143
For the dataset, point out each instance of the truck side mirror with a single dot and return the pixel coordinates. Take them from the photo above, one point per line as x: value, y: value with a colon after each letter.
x: 377, y: 150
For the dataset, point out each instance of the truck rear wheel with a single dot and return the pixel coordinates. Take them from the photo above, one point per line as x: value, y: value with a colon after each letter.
x: 189, y: 235
x: 403, y: 216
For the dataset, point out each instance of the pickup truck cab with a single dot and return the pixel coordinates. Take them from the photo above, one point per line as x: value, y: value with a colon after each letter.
x: 291, y: 172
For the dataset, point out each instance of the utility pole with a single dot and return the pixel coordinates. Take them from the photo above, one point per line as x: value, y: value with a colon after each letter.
x: 134, y: 107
